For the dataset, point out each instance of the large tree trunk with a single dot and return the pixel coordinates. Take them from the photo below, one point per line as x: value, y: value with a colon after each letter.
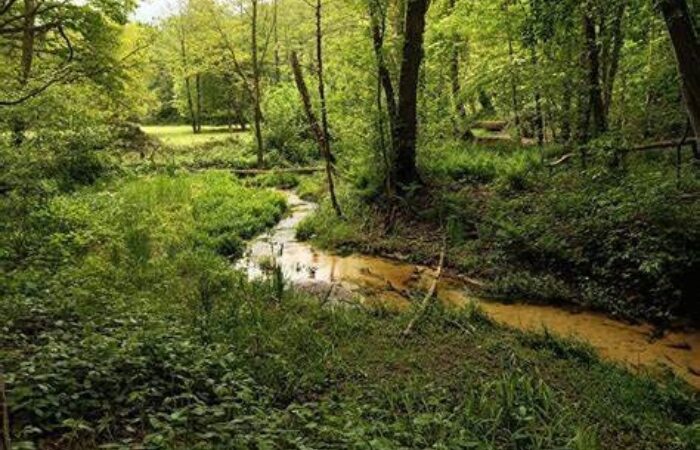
x: 687, y: 49
x: 406, y: 129
x: 257, y: 110
x: 594, y: 89
x: 321, y: 137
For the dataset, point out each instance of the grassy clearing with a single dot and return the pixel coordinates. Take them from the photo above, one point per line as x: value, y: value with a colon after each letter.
x: 182, y: 135
x: 624, y: 240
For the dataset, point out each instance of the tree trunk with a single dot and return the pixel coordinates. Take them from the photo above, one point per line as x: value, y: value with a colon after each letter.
x: 539, y: 119
x: 594, y: 89
x: 190, y: 104
x: 513, y: 83
x: 383, y: 71
x: 406, y: 129
x: 687, y: 49
x: 198, y: 108
x: 456, y: 88
x: 188, y: 84
x: 27, y: 59
x: 319, y: 71
x: 316, y: 128
x: 384, y: 83
x: 257, y: 111
x: 565, y: 135
x: 611, y: 66
x: 275, y: 36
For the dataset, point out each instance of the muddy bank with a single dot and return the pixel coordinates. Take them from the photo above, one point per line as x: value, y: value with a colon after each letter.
x: 379, y: 282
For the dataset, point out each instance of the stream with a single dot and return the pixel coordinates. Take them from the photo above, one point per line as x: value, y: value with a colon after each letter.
x: 380, y: 282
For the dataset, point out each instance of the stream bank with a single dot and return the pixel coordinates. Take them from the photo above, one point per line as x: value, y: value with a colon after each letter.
x: 388, y: 284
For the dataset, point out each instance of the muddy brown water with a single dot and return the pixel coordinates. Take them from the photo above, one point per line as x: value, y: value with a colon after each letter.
x: 379, y: 282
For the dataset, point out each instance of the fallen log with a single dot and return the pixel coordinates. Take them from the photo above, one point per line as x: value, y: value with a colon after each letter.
x: 491, y: 125
x: 299, y: 170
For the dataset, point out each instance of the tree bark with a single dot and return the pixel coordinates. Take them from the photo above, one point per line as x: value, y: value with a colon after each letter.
x: 594, y: 89
x: 406, y: 127
x: 611, y: 66
x: 198, y: 108
x: 456, y: 88
x: 513, y: 83
x: 27, y: 60
x: 319, y: 67
x: 316, y: 128
x: 687, y: 49
x: 384, y: 83
x: 257, y: 110
x: 188, y: 84
x: 275, y: 36
x: 383, y: 72
x: 539, y: 119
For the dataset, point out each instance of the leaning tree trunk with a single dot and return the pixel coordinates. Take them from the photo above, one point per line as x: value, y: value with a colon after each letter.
x: 319, y: 72
x: 406, y: 129
x: 687, y: 49
x: 316, y: 128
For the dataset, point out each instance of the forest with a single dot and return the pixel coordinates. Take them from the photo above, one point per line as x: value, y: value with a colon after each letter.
x: 362, y: 224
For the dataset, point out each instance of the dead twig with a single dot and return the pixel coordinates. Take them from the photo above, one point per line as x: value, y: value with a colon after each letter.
x: 429, y: 296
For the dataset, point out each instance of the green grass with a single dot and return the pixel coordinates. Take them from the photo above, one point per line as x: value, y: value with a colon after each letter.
x: 139, y: 337
x: 253, y: 366
x: 124, y: 325
x: 182, y: 135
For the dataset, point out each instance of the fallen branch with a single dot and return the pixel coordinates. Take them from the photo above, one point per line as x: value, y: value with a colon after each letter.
x: 300, y: 170
x: 661, y: 145
x: 428, y: 297
x: 561, y: 160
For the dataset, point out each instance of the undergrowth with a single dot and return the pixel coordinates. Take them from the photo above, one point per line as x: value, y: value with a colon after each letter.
x: 620, y: 239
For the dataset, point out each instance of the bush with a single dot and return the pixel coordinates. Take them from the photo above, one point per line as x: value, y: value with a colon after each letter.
x: 286, y: 128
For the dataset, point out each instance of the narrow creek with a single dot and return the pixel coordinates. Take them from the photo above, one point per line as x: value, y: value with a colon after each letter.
x: 379, y: 282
